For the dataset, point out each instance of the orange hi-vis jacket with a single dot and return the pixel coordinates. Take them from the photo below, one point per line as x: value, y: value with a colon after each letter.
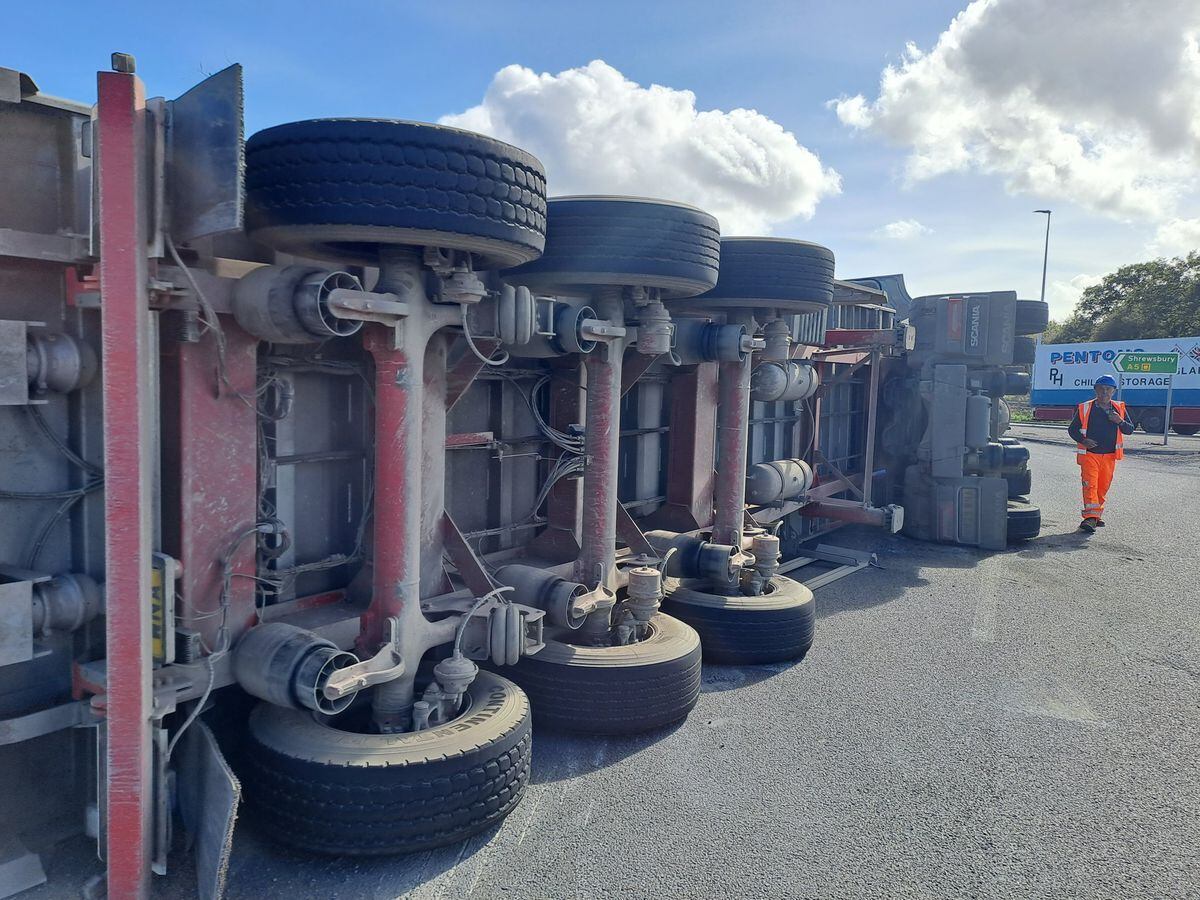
x: 1085, y: 410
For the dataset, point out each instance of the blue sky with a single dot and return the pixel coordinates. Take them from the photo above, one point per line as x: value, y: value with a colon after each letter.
x: 785, y: 60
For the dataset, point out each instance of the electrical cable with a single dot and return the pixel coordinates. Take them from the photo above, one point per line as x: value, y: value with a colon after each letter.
x: 59, y: 443
x: 812, y: 431
x: 93, y: 485
x: 213, y: 324
x: 462, y: 626
x: 223, y: 642
x: 563, y: 441
x: 51, y: 523
x: 487, y: 361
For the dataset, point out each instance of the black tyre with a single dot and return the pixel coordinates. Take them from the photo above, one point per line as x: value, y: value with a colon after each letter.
x: 748, y: 630
x: 1032, y: 316
x: 1016, y: 382
x: 1186, y: 430
x: 338, y: 188
x: 347, y: 793
x: 615, y: 690
x: 1014, y: 456
x: 1019, y: 483
x: 1024, y: 350
x: 771, y: 273
x: 1152, y: 421
x: 1024, y: 521
x: 626, y: 241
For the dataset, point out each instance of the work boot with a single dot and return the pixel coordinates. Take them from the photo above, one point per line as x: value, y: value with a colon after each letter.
x: 1099, y: 523
x: 1089, y: 524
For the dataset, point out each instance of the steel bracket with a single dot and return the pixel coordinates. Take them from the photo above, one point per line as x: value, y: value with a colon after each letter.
x: 386, y: 665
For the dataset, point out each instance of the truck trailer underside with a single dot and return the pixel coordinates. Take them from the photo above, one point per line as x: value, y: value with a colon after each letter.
x: 336, y: 457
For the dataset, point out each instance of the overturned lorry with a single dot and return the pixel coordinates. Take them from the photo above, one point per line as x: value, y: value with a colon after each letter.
x: 348, y: 453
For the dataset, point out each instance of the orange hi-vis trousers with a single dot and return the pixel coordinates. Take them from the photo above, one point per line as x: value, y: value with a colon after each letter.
x: 1096, y: 472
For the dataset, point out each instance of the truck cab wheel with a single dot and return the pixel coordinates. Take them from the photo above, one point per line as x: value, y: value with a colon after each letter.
x: 614, y: 690
x: 1024, y: 521
x: 324, y: 789
x: 774, y: 627
x: 1019, y: 483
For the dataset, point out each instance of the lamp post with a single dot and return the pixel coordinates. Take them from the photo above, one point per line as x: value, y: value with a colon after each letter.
x: 1046, y: 253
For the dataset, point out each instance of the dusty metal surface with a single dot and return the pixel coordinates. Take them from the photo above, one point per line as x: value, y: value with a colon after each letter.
x: 129, y: 441
x: 733, y: 416
x: 205, y: 159
x: 363, y: 487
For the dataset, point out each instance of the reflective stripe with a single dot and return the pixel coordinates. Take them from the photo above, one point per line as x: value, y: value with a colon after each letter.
x: 1084, y: 410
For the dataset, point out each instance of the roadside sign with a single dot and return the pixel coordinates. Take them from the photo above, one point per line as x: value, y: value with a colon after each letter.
x: 1147, y: 363
x: 1152, y: 364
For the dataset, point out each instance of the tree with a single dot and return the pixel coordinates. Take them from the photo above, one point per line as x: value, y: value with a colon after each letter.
x: 1155, y: 299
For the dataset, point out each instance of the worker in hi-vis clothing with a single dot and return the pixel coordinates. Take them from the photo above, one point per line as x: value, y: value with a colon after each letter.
x: 1099, y: 430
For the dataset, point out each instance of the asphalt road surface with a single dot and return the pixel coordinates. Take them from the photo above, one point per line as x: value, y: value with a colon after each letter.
x: 1016, y: 724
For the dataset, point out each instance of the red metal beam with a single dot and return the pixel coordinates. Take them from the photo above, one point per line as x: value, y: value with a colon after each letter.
x: 691, y: 452
x: 397, y: 532
x: 209, y: 480
x: 733, y: 431
x: 469, y: 439
x: 602, y: 428
x: 860, y: 337
x: 126, y: 354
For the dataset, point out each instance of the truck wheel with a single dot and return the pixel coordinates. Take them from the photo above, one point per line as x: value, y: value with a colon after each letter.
x: 1153, y: 420
x: 615, y: 690
x: 1186, y: 430
x: 771, y: 273
x: 626, y: 241
x: 1015, y: 455
x: 1019, y: 483
x: 748, y: 630
x: 349, y: 793
x: 1024, y: 351
x: 1024, y: 521
x: 338, y: 188
x: 1032, y: 316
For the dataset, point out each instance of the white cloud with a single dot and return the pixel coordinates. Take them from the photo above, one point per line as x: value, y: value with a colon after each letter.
x: 1176, y: 237
x: 1094, y: 103
x: 904, y: 230
x: 598, y: 132
x: 1063, y: 295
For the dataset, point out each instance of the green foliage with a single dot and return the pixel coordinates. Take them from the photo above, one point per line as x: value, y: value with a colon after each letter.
x: 1155, y: 299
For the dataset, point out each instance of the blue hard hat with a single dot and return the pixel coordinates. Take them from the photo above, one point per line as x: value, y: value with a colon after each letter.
x: 1106, y: 379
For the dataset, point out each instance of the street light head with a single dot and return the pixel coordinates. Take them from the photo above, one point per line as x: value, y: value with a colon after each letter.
x: 1046, y: 211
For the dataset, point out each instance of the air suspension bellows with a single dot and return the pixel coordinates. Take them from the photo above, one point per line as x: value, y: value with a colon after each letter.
x: 289, y: 666
x: 689, y: 556
x: 290, y: 304
x: 545, y: 590
x: 697, y: 340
